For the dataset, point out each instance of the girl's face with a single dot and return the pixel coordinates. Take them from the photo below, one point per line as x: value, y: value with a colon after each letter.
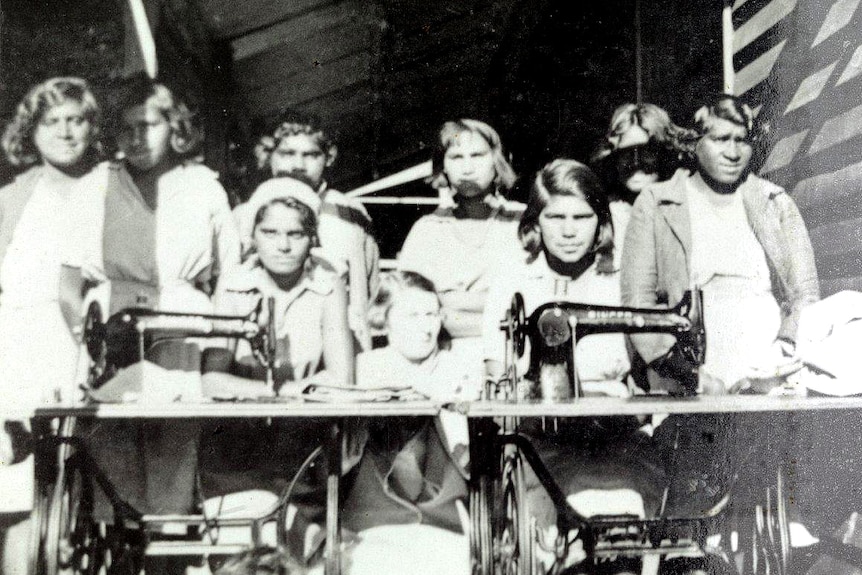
x: 145, y: 137
x: 568, y: 225
x: 469, y: 165
x: 414, y: 323
x: 63, y: 134
x: 281, y: 242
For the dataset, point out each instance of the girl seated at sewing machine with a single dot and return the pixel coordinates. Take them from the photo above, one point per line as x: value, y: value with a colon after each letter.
x: 312, y: 343
x: 310, y: 322
x: 604, y: 465
x: 407, y: 484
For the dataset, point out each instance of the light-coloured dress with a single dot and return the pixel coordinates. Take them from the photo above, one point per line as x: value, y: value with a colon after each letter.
x: 740, y: 313
x: 168, y: 258
x: 38, y: 354
x: 463, y: 255
x: 588, y: 455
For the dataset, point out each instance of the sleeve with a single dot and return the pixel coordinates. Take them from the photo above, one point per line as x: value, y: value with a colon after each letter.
x: 639, y: 273
x: 372, y: 264
x: 226, y: 248
x: 802, y: 287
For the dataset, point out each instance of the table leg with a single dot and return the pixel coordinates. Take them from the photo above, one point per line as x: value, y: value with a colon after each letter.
x: 484, y: 462
x: 333, y: 519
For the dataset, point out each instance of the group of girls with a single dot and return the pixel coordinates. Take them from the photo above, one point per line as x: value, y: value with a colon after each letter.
x: 155, y: 228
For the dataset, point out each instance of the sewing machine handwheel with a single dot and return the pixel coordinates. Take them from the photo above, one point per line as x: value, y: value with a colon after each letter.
x: 72, y: 543
x: 518, y: 322
x: 516, y: 537
x: 481, y: 526
x: 94, y: 332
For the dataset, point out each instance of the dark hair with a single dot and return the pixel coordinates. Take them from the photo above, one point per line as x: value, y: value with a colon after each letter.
x: 505, y: 174
x: 261, y: 561
x: 730, y: 108
x: 666, y: 142
x: 186, y: 135
x: 564, y: 177
x: 293, y: 126
x: 391, y: 284
x: 307, y: 217
x: 18, y: 137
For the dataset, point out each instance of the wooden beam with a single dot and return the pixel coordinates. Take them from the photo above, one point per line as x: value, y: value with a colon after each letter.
x: 229, y: 19
x: 451, y: 34
x: 297, y: 55
x: 299, y: 28
x: 306, y: 86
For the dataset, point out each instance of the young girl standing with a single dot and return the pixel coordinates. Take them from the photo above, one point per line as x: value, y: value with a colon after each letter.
x: 55, y: 134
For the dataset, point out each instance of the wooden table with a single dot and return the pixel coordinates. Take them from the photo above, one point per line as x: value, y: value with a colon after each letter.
x: 274, y: 409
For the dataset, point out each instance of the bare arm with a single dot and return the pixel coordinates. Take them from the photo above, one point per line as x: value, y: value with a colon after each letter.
x: 338, y: 354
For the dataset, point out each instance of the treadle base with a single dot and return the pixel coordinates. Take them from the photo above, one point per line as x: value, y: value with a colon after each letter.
x: 626, y: 537
x: 179, y: 548
x: 677, y: 550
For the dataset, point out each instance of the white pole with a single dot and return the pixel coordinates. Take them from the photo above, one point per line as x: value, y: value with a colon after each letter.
x: 727, y: 46
x: 145, y: 37
x: 417, y: 172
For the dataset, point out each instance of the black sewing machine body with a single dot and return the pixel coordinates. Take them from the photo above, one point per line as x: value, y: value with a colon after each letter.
x: 554, y: 329
x: 128, y: 335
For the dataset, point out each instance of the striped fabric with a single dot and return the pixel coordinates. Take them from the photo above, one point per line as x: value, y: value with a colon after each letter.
x: 801, y: 62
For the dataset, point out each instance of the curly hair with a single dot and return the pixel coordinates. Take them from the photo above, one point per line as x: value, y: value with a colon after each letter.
x: 269, y: 142
x: 505, y: 178
x: 186, y: 135
x: 564, y: 177
x: 18, y: 137
x: 732, y: 109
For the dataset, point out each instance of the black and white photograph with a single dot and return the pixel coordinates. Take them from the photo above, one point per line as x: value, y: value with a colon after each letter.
x: 430, y: 287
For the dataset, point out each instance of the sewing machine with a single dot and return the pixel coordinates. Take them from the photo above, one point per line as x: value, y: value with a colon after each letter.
x: 127, y: 335
x: 555, y: 328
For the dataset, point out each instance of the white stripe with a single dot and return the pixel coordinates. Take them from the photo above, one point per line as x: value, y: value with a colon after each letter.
x: 811, y: 87
x: 783, y: 152
x: 414, y: 173
x: 757, y: 71
x: 145, y: 37
x: 838, y: 129
x: 838, y: 17
x: 853, y: 69
x: 739, y: 3
x: 826, y: 189
x: 769, y: 16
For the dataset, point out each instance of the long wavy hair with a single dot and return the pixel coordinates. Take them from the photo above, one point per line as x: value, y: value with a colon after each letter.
x: 18, y: 137
x: 564, y: 177
x: 186, y: 135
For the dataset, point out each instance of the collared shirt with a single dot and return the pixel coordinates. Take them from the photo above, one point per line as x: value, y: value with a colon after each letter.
x: 601, y: 357
x: 348, y: 246
x: 298, y: 312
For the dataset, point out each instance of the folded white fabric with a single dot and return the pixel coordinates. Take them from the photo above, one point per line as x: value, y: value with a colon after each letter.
x: 146, y: 382
x: 828, y: 341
